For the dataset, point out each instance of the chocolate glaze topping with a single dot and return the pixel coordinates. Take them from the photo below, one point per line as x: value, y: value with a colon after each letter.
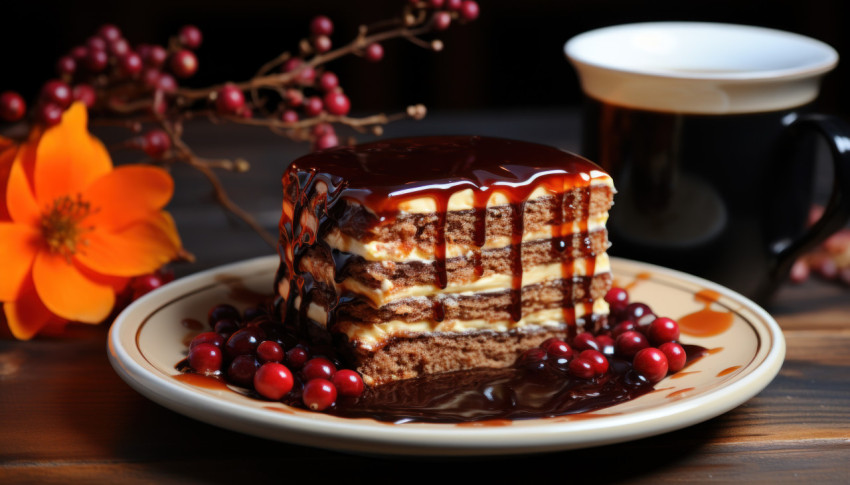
x: 382, y: 175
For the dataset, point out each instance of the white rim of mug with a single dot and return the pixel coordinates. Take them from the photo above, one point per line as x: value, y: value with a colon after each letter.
x: 809, y: 70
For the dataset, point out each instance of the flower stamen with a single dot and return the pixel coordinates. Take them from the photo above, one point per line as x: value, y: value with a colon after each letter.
x: 61, y: 225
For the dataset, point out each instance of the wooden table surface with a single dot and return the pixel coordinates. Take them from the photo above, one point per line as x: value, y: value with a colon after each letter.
x: 66, y: 416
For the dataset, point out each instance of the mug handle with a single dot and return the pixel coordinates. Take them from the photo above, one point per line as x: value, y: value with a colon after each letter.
x: 836, y: 132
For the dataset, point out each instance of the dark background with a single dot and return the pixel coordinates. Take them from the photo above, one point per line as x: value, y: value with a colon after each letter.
x: 511, y: 57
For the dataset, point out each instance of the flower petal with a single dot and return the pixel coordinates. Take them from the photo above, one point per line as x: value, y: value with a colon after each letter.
x: 68, y: 158
x: 18, y: 247
x: 67, y: 292
x: 20, y: 200
x: 136, y: 250
x: 128, y: 194
x: 27, y: 315
x: 8, y: 150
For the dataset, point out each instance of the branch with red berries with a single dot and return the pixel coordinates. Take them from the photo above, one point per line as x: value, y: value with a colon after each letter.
x: 293, y: 95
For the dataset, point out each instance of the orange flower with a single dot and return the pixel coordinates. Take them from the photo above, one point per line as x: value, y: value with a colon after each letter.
x: 76, y: 229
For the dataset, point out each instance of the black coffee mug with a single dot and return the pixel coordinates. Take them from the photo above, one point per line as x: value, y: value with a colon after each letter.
x: 708, y: 132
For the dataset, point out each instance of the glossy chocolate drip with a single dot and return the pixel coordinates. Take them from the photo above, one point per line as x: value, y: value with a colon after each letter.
x: 517, y: 211
x: 384, y: 175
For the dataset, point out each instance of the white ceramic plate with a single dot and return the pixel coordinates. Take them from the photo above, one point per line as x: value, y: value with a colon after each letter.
x: 148, y: 339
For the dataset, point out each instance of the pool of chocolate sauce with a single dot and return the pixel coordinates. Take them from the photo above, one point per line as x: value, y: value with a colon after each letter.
x: 491, y: 394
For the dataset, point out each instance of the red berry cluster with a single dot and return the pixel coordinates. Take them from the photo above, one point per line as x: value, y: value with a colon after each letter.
x: 447, y: 10
x: 250, y: 350
x: 636, y: 334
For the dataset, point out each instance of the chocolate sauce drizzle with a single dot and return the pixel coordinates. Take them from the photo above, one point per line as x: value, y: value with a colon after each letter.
x: 498, y: 394
x: 383, y: 175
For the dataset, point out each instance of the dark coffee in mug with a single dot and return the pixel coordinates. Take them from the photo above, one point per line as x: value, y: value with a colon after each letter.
x: 713, y: 195
x: 708, y: 133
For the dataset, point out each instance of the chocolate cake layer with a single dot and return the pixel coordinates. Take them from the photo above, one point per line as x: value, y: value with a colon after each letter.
x: 408, y: 357
x: 403, y: 274
x: 421, y: 230
x: 491, y: 306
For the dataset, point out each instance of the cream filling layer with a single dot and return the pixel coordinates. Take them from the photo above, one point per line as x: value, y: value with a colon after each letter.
x: 370, y: 336
x: 465, y: 199
x: 384, y: 251
x: 494, y: 282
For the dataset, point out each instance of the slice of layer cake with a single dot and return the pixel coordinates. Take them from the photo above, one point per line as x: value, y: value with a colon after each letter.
x: 422, y: 255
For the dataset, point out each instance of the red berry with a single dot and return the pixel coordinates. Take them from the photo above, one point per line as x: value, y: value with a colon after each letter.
x: 617, y: 294
x: 226, y: 327
x: 155, y: 143
x: 629, y: 343
x: 321, y: 129
x: 96, y: 60
x: 584, y: 341
x: 442, y: 20
x: 190, y: 37
x: 12, y: 106
x: 205, y: 358
x: 184, y: 63
x: 66, y: 65
x: 325, y: 141
x: 223, y: 311
x: 207, y: 338
x: 469, y: 10
x: 556, y: 348
x: 156, y: 56
x: 50, y: 114
x: 79, y: 53
x: 374, y: 52
x: 269, y: 351
x: 294, y: 97
x: 318, y: 394
x: 244, y: 342
x: 532, y: 359
x: 296, y: 357
x: 306, y: 74
x: 675, y: 354
x: 95, y: 43
x: 119, y: 48
x: 454, y: 4
x: 84, y: 93
x: 582, y: 368
x: 273, y: 381
x: 130, y: 64
x: 313, y: 106
x: 144, y: 284
x: 328, y: 81
x: 337, y: 103
x: 318, y: 368
x: 321, y: 25
x: 109, y: 32
x: 166, y: 83
x: 322, y: 43
x: 662, y: 330
x: 56, y: 92
x: 289, y: 116
x: 242, y: 369
x: 622, y: 328
x: 605, y: 344
x: 436, y: 3
x: 348, y: 383
x: 640, y: 313
x: 150, y: 78
x: 230, y: 100
x: 651, y: 363
x: 600, y: 363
